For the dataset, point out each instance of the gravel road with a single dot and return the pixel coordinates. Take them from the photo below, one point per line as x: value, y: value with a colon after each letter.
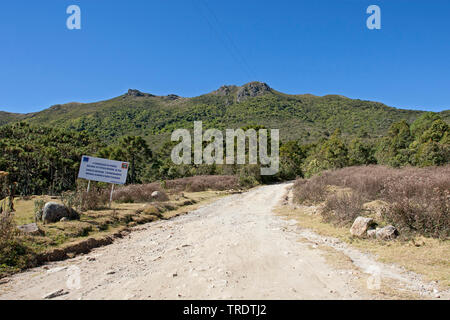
x: 234, y: 248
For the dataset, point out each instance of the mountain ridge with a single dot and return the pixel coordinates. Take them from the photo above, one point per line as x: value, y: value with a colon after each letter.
x: 304, y: 117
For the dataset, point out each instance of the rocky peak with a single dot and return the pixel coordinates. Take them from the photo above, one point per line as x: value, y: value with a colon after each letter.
x: 252, y: 89
x: 137, y: 93
x: 224, y: 90
x: 171, y: 97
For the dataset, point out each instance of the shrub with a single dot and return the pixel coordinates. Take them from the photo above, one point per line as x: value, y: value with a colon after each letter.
x: 97, y: 198
x: 93, y: 200
x: 310, y: 191
x: 139, y: 193
x: 343, y: 208
x: 419, y: 203
x: 38, y: 209
x: 14, y: 253
x: 418, y: 198
x: 203, y: 183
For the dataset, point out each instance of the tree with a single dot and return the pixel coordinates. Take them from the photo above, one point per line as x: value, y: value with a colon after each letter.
x: 133, y: 149
x: 423, y: 123
x: 334, y: 151
x: 291, y: 156
x: 331, y: 153
x: 432, y: 148
x: 394, y: 148
x: 360, y: 153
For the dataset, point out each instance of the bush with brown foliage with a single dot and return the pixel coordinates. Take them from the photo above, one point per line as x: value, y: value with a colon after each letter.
x: 139, y: 193
x: 95, y: 199
x: 418, y: 198
x: 310, y: 191
x: 203, y: 183
x: 343, y: 208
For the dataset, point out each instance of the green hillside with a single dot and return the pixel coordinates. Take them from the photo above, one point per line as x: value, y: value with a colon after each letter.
x: 301, y: 117
x: 7, y: 117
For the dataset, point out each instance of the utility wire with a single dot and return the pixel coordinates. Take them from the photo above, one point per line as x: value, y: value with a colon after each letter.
x: 225, y: 39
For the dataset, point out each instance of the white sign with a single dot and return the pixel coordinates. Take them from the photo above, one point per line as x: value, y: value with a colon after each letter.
x: 103, y: 170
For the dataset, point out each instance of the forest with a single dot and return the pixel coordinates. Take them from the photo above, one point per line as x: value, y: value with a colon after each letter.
x: 45, y: 160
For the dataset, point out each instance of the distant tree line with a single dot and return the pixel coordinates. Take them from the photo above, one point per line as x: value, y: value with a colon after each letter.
x: 44, y: 160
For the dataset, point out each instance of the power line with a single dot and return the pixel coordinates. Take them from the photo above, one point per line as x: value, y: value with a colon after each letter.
x: 223, y: 36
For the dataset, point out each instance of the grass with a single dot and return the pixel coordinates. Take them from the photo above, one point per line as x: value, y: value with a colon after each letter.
x: 429, y: 257
x: 25, y: 208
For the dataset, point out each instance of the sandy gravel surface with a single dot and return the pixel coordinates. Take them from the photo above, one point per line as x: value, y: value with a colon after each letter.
x: 234, y: 248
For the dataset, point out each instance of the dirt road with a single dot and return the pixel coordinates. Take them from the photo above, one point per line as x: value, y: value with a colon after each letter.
x: 234, y: 248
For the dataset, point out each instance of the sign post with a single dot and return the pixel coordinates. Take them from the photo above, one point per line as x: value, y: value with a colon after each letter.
x: 103, y: 170
x: 110, y: 196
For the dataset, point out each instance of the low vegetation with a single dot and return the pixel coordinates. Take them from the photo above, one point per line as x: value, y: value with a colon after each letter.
x: 15, y: 254
x: 43, y: 160
x: 202, y: 183
x: 133, y: 205
x: 417, y: 199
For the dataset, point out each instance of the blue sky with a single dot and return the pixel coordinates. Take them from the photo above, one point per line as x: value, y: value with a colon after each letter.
x: 191, y: 47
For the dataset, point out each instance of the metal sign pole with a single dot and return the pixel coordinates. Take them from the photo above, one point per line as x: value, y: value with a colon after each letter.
x: 111, y: 195
x: 89, y: 186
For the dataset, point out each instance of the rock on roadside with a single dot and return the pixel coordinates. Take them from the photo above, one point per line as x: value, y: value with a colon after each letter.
x: 360, y: 226
x: 54, y: 212
x: 387, y: 233
x: 372, y: 233
x: 55, y: 294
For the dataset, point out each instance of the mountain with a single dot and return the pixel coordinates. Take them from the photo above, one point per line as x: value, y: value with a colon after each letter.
x: 305, y: 117
x: 7, y: 117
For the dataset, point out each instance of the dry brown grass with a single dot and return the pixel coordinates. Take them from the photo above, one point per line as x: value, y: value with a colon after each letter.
x: 310, y: 191
x: 343, y: 208
x: 418, y: 198
x: 203, y: 183
x: 139, y: 193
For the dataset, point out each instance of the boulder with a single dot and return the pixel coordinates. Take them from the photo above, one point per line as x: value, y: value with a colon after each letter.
x: 361, y: 225
x: 54, y: 212
x: 31, y: 229
x: 155, y: 194
x: 372, y: 233
x: 159, y: 196
x: 387, y: 233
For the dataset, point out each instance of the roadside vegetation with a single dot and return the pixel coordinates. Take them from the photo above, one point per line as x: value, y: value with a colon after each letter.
x: 98, y: 224
x: 414, y: 200
x: 42, y: 160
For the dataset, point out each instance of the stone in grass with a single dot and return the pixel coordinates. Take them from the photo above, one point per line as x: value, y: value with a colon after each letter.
x: 371, y: 233
x: 54, y: 212
x: 361, y: 225
x: 31, y: 229
x: 155, y: 194
x: 387, y: 233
